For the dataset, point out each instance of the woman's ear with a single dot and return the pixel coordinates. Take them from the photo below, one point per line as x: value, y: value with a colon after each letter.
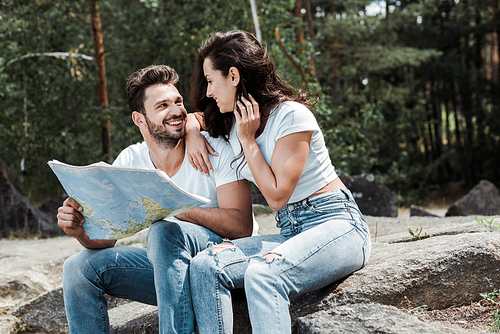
x: 234, y: 75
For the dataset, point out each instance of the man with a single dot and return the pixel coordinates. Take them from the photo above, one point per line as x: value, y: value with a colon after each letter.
x: 157, y: 275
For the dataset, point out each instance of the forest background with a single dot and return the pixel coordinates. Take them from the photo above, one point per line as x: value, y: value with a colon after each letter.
x: 408, y: 90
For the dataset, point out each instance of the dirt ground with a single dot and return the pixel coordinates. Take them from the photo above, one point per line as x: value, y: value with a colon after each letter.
x: 31, y: 267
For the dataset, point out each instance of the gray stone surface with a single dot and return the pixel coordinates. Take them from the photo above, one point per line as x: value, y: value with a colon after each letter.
x: 438, y: 272
x: 365, y: 319
x: 483, y: 199
x: 452, y: 267
x: 133, y: 318
x: 46, y: 311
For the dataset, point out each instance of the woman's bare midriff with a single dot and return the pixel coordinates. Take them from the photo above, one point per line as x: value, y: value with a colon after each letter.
x: 334, y: 185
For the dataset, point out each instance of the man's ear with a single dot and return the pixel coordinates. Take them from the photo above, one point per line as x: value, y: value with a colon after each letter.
x: 138, y: 118
x: 234, y: 75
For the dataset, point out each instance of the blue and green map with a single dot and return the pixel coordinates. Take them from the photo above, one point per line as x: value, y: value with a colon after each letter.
x: 119, y: 202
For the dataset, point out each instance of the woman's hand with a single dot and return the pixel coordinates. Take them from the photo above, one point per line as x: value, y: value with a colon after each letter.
x: 247, y: 118
x: 197, y: 149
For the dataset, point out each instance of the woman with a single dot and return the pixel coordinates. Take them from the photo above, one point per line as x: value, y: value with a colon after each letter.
x: 323, y: 238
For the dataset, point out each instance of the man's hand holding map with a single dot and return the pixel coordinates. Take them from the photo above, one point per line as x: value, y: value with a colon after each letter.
x: 119, y: 202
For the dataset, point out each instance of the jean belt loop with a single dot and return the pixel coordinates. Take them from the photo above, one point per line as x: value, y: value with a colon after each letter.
x: 346, y: 193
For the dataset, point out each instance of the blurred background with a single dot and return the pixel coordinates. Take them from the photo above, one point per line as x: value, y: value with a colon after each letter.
x: 408, y: 90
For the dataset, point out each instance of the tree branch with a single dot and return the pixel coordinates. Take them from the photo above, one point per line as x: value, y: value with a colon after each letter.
x: 48, y: 54
x: 277, y: 31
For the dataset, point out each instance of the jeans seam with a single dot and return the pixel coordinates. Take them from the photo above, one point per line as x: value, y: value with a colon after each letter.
x: 314, y: 252
x: 103, y: 312
x: 219, y: 307
x: 276, y: 301
x: 217, y: 288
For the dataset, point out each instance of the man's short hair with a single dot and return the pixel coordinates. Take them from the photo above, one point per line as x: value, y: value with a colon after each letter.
x: 144, y: 78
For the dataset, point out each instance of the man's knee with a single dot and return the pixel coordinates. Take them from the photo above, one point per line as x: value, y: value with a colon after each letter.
x: 203, y: 263
x: 78, y: 266
x: 162, y: 229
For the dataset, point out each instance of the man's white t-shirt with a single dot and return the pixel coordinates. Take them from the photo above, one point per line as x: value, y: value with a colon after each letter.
x: 188, y: 178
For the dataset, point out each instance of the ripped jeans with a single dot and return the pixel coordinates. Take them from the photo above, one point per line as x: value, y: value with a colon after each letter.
x: 323, y: 238
x: 157, y: 275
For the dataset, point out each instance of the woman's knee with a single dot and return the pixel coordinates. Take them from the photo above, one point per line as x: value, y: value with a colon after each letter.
x: 215, y: 263
x: 261, y: 268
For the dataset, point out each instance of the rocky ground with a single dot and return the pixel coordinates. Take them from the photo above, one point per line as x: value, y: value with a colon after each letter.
x: 31, y: 267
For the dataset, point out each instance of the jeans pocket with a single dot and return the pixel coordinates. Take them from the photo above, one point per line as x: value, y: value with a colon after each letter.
x: 328, y: 207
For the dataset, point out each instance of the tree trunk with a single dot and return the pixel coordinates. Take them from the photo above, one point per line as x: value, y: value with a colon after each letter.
x: 448, y: 124
x: 438, y: 126
x: 299, y: 33
x: 426, y: 143
x: 335, y: 65
x: 307, y: 5
x: 102, y: 93
x: 497, y: 17
x: 465, y: 92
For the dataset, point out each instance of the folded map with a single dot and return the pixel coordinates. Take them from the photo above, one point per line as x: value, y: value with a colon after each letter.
x: 118, y: 202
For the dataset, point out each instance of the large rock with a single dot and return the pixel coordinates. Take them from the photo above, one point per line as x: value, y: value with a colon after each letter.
x: 416, y: 211
x: 47, y: 312
x: 483, y: 199
x: 372, y: 196
x: 17, y: 213
x: 133, y: 318
x: 440, y: 271
x: 367, y: 318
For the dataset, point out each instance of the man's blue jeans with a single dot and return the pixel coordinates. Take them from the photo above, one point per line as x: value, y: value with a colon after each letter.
x: 133, y: 273
x: 323, y: 239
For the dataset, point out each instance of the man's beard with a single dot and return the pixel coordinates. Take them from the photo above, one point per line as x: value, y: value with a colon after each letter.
x: 162, y: 136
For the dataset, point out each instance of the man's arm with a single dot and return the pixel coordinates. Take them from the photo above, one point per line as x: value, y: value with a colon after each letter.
x: 70, y: 219
x: 233, y: 219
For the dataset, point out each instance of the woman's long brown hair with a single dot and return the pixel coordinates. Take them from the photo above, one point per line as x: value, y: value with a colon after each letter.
x: 258, y: 77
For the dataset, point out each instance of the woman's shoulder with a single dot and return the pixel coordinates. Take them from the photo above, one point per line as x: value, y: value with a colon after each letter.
x: 292, y: 112
x: 290, y: 106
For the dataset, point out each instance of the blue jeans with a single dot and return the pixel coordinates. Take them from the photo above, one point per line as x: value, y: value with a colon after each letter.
x: 133, y: 273
x: 322, y: 239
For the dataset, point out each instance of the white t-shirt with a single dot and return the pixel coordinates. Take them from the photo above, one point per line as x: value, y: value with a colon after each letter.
x: 287, y: 118
x: 188, y: 178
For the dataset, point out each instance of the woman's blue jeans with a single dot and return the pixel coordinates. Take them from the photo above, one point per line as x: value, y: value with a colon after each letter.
x: 323, y: 239
x: 133, y: 273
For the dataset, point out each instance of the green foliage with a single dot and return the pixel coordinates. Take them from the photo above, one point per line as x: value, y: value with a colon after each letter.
x: 413, y: 99
x: 488, y: 224
x: 495, y: 321
x: 416, y: 233
x: 49, y: 105
x: 491, y: 296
